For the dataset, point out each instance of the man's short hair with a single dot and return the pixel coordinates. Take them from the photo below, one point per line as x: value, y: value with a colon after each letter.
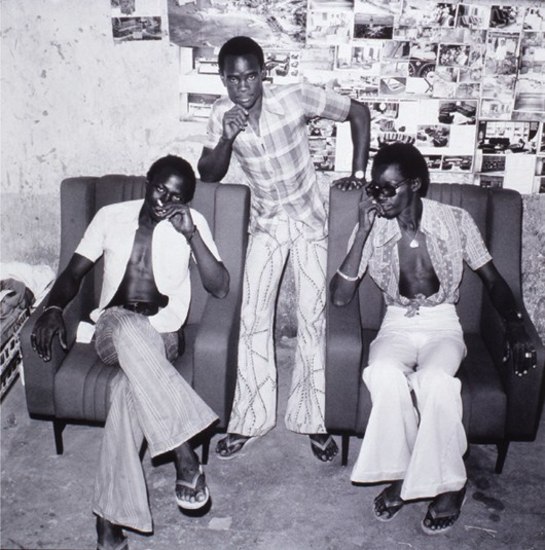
x: 409, y: 160
x: 171, y: 165
x: 240, y: 45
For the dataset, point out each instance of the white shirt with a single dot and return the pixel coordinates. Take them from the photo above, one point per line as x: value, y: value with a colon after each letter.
x: 111, y: 234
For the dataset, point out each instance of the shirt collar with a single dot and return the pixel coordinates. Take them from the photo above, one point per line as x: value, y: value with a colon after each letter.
x: 432, y: 223
x: 270, y: 102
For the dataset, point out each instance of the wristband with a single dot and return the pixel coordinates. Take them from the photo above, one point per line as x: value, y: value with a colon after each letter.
x: 53, y: 307
x: 347, y: 277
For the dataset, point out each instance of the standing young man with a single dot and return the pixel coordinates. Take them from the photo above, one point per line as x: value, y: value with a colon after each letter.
x: 414, y: 249
x: 265, y: 128
x: 144, y: 302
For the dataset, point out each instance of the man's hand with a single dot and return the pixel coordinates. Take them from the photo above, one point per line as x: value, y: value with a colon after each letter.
x: 367, y: 212
x: 349, y: 183
x: 234, y: 121
x: 47, y: 325
x: 179, y: 216
x: 519, y: 346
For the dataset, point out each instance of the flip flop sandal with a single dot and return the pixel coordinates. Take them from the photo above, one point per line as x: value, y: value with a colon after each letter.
x: 198, y: 504
x: 319, y: 449
x: 384, y: 511
x: 122, y: 545
x: 437, y: 523
x: 231, y: 449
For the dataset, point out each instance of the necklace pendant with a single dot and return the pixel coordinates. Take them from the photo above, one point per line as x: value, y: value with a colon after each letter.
x: 414, y: 243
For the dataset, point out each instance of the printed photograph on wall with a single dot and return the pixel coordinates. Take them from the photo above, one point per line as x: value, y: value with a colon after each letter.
x: 322, y: 135
x: 274, y: 23
x: 417, y: 13
x: 530, y: 89
x: 282, y: 66
x: 364, y: 58
x: 329, y: 27
x: 508, y: 149
x: 473, y: 16
x: 507, y: 18
x: 372, y: 26
x: 490, y: 182
x: 123, y: 7
x: 422, y: 66
x: 534, y: 19
x: 126, y: 29
x: 135, y: 20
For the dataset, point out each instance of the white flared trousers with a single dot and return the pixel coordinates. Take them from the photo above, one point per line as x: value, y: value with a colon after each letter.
x: 254, y: 406
x: 415, y: 430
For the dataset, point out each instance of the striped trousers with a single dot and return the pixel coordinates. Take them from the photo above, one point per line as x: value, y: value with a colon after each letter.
x: 254, y: 406
x: 149, y: 400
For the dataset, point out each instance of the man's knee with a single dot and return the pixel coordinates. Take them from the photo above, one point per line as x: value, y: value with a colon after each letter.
x: 436, y: 385
x: 384, y: 374
x: 130, y: 326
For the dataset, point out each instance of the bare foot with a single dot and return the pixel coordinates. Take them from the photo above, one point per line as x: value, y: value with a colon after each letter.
x: 323, y: 446
x: 443, y: 512
x: 191, y: 489
x: 230, y: 445
x: 110, y: 536
x: 389, y: 502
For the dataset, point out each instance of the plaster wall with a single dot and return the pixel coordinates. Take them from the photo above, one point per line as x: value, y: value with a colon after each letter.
x: 74, y: 103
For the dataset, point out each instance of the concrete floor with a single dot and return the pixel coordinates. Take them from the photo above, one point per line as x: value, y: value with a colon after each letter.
x: 276, y: 497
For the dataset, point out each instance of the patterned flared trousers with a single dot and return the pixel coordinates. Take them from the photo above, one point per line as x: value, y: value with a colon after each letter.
x: 254, y: 407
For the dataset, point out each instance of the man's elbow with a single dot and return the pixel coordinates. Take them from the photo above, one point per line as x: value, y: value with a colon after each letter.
x: 206, y: 177
x: 222, y: 289
x: 340, y: 301
x: 337, y: 297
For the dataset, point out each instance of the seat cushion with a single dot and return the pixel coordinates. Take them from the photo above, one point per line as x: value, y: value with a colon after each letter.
x: 82, y: 384
x: 484, y: 400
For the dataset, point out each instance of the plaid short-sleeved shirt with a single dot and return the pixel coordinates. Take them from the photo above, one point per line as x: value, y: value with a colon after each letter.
x: 277, y: 162
x: 452, y: 237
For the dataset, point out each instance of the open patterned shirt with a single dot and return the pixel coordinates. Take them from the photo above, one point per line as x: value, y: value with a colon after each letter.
x: 452, y: 237
x: 277, y: 162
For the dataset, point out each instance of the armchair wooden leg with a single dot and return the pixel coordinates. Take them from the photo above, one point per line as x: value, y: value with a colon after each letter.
x: 344, y: 449
x: 502, y: 447
x: 205, y: 448
x: 58, y: 428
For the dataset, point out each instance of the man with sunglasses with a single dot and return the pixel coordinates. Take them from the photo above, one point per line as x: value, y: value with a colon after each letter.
x: 414, y: 249
x: 265, y: 128
x: 146, y: 292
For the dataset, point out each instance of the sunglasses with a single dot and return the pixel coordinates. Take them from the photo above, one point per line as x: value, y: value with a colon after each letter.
x: 377, y: 191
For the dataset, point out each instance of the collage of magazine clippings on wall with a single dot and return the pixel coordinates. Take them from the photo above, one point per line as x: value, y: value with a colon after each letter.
x: 464, y: 82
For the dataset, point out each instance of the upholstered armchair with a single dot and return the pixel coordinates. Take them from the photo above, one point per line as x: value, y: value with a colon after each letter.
x: 74, y: 386
x: 499, y: 406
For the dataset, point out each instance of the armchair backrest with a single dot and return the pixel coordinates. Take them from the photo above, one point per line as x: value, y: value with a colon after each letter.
x: 498, y: 215
x: 225, y: 207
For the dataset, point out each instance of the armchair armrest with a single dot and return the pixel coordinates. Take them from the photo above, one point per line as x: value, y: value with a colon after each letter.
x: 524, y: 394
x: 39, y: 376
x: 216, y: 352
x: 344, y: 352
